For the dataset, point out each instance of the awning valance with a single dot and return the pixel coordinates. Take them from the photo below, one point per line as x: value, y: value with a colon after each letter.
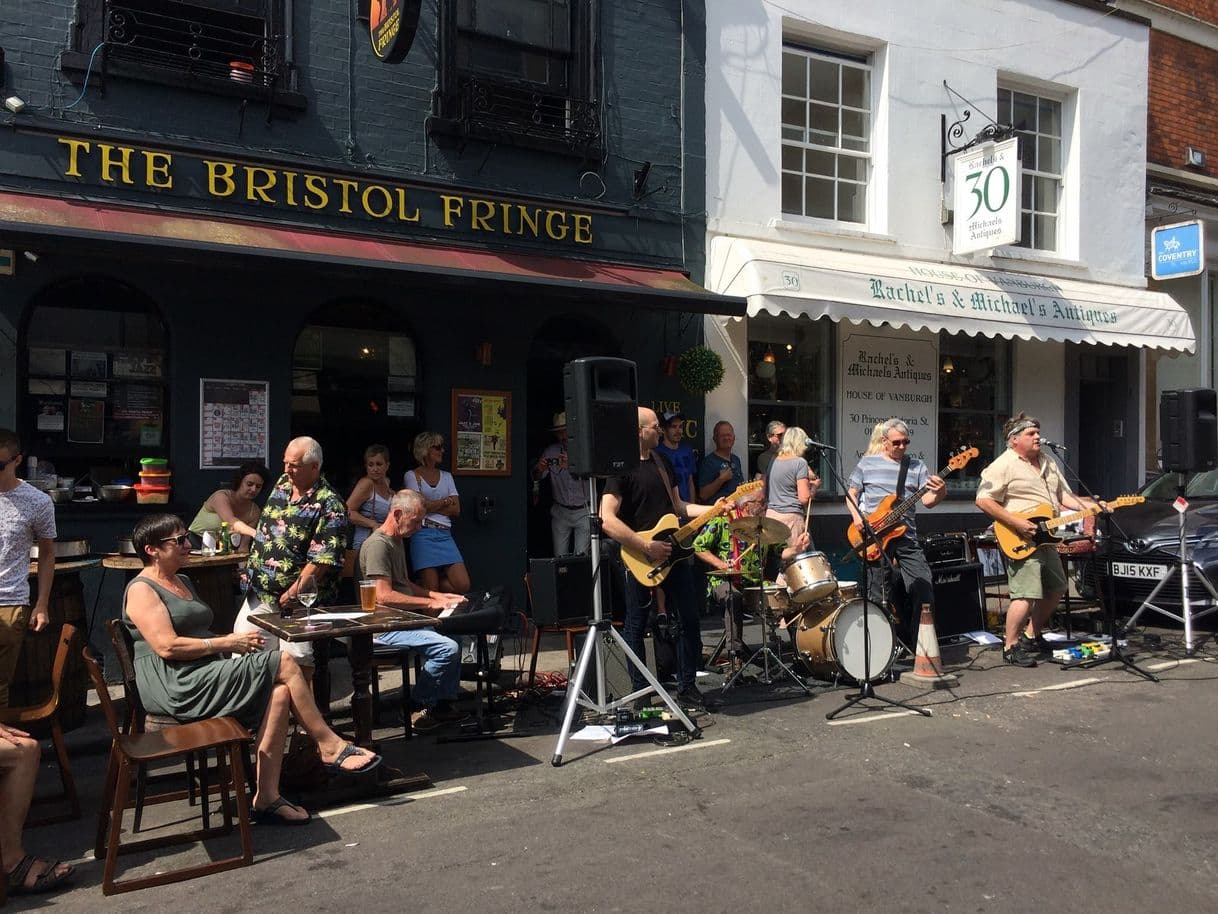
x: 795, y: 280
x: 26, y: 216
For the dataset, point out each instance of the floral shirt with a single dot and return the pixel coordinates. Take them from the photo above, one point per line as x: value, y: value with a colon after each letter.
x: 718, y: 541
x: 291, y: 534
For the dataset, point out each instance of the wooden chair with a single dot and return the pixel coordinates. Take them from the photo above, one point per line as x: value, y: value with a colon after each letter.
x: 47, y: 714
x: 127, y: 751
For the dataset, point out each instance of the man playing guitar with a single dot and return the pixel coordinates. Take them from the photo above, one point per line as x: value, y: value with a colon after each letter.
x: 893, y: 472
x: 637, y: 501
x: 1019, y: 479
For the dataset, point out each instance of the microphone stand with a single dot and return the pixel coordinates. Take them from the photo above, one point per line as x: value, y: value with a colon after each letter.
x: 1108, y: 602
x: 866, y: 690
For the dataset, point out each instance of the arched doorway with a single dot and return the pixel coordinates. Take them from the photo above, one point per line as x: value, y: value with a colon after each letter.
x: 558, y: 341
x: 355, y: 383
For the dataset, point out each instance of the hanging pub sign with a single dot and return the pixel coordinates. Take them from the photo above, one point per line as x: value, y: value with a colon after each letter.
x: 391, y: 26
x: 986, y: 196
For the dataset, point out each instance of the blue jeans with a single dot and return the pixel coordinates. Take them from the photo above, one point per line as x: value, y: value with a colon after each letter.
x: 441, y: 664
x: 682, y: 612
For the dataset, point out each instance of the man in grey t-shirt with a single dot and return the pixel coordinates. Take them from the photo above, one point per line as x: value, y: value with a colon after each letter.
x: 874, y: 479
x: 26, y: 516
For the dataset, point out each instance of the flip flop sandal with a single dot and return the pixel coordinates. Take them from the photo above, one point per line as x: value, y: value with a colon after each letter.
x: 270, y: 816
x: 336, y: 766
x: 48, y: 880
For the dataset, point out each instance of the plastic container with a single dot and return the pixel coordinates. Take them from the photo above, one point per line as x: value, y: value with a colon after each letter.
x: 155, y: 478
x: 154, y: 463
x: 152, y: 495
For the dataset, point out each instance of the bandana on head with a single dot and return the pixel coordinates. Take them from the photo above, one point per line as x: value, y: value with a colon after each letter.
x: 1021, y: 426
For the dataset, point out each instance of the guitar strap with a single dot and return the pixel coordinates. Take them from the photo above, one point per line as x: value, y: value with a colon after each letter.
x: 667, y: 482
x: 901, y: 474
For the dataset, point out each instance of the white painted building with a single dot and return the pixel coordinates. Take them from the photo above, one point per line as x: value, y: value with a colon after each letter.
x: 826, y: 210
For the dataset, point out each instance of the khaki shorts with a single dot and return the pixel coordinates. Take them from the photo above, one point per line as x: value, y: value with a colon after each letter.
x: 1038, y: 574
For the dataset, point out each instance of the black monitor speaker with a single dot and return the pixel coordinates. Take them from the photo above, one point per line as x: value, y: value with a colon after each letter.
x: 601, y: 399
x: 561, y: 590
x: 1188, y: 429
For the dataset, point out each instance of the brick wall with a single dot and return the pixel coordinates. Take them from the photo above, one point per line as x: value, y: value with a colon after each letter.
x: 1183, y: 84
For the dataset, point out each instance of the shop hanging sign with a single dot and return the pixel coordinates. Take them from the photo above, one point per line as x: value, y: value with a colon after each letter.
x: 1177, y: 250
x: 391, y: 26
x: 986, y: 197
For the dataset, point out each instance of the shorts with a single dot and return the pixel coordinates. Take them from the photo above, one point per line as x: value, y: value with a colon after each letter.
x: 1038, y: 574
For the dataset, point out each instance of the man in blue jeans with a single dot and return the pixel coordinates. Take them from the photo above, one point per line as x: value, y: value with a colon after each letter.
x: 382, y: 558
x: 636, y: 502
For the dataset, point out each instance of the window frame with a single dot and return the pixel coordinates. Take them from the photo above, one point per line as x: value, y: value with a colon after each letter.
x: 1002, y: 354
x: 1031, y: 175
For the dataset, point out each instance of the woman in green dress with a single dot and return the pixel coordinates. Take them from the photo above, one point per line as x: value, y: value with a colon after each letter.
x: 185, y: 671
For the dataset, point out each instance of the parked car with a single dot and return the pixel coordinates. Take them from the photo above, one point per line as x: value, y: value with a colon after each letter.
x: 1145, y: 546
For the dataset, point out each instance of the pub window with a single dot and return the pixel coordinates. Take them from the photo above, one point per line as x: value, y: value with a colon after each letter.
x: 94, y: 394
x: 519, y: 71
x: 1038, y: 124
x: 237, y: 47
x: 791, y: 367
x: 974, y: 401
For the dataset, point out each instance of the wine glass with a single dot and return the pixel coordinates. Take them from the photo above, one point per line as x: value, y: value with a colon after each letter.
x: 306, y: 593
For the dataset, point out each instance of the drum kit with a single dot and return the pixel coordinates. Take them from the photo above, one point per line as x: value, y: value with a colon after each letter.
x: 835, y: 634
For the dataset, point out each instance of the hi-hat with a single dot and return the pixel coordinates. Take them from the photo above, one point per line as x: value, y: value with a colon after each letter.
x: 765, y: 531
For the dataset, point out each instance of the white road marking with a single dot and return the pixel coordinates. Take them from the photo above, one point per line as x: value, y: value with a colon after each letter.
x: 1072, y: 684
x: 867, y: 718
x: 1171, y: 664
x: 399, y: 801
x: 696, y: 744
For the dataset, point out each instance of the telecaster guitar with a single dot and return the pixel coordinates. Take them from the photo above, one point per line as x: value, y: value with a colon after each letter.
x: 885, y: 520
x: 1014, y: 546
x: 680, y: 537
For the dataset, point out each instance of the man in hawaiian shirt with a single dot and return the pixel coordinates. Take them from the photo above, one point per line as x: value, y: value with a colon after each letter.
x: 301, y: 535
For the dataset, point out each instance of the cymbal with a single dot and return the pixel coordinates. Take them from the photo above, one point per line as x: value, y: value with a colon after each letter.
x: 765, y: 531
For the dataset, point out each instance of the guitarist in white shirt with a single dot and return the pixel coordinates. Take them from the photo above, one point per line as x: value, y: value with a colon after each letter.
x: 637, y: 501
x: 1020, y: 479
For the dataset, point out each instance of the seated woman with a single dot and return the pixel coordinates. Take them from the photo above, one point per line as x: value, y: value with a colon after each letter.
x: 186, y: 672
x: 234, y: 505
x: 368, y: 504
x: 434, y: 555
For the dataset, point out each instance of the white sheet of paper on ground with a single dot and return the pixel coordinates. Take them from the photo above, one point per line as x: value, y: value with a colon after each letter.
x: 598, y: 732
x: 983, y: 637
x: 336, y: 617
x: 1057, y: 636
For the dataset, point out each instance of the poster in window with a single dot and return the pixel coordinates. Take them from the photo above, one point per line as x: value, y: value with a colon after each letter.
x: 49, y: 414
x: 48, y: 362
x: 86, y: 421
x: 481, y: 433
x: 136, y: 401
x: 45, y: 387
x: 89, y: 389
x: 92, y: 365
x: 136, y: 365
x: 233, y: 422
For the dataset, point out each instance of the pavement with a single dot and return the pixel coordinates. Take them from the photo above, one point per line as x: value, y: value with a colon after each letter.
x: 1037, y: 789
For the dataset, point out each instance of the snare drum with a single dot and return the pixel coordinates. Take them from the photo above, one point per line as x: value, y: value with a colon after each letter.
x: 769, y: 601
x: 829, y: 642
x: 809, y: 577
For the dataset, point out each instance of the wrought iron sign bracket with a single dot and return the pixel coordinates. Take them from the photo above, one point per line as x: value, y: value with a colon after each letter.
x: 950, y: 136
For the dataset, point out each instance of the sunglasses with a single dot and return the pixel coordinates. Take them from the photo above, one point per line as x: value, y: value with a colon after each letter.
x: 899, y: 442
x: 182, y: 539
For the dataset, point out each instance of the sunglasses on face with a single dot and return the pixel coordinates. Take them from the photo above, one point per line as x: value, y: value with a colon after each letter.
x: 182, y: 539
x: 899, y: 442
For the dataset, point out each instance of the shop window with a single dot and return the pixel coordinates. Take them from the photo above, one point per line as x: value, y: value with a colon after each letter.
x: 95, y: 379
x: 355, y: 383
x: 228, y: 46
x: 826, y: 134
x: 974, y: 401
x: 1038, y: 124
x: 790, y: 363
x: 519, y: 71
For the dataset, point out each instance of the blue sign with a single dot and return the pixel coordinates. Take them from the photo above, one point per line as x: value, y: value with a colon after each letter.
x: 1177, y: 250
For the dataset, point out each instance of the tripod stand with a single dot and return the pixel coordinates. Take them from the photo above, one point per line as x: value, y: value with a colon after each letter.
x: 866, y: 690
x: 600, y: 632
x: 1184, y: 564
x: 1115, y: 655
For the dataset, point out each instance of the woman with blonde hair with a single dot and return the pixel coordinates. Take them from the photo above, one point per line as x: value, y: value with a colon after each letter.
x: 792, y: 483
x: 368, y: 503
x: 875, y: 445
x: 434, y: 555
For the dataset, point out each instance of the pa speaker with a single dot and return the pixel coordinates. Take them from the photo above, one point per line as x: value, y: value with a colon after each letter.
x: 958, y: 605
x: 601, y: 399
x: 1188, y: 429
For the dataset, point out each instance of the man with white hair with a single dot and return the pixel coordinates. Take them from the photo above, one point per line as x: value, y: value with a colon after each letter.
x: 301, y: 536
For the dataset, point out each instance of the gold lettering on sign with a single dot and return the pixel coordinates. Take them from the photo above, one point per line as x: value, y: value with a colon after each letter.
x: 156, y: 170
x: 480, y: 213
x: 452, y: 209
x: 220, y: 174
x: 364, y: 200
x: 347, y: 186
x: 316, y: 196
x: 75, y: 147
x: 255, y: 189
x: 403, y: 216
x: 109, y: 162
x: 289, y: 188
x: 583, y: 228
x: 556, y: 216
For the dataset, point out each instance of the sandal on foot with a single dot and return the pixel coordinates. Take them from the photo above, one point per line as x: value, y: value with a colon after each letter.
x: 48, y: 880
x: 271, y: 816
x: 336, y: 766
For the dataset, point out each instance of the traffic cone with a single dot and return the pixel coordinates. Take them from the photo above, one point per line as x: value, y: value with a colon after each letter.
x: 928, y: 666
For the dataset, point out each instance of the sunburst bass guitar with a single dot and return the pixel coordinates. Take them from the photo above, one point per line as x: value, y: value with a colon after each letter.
x: 679, y: 536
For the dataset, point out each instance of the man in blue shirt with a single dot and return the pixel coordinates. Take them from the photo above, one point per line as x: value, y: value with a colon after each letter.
x: 679, y: 453
x: 720, y: 474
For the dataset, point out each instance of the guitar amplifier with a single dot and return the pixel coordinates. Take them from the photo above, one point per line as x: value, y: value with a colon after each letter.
x: 945, y: 549
x: 958, y: 599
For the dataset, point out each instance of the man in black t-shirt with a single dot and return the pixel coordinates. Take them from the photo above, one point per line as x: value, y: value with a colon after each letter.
x: 637, y: 501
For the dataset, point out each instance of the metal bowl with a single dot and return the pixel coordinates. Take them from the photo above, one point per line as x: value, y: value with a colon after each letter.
x: 65, y: 548
x: 60, y: 496
x: 115, y: 493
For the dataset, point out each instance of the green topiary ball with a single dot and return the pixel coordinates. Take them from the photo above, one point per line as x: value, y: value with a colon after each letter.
x: 700, y: 370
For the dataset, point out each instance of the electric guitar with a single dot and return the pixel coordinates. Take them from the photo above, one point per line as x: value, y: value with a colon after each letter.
x: 1014, y: 546
x: 885, y: 520
x: 681, y: 538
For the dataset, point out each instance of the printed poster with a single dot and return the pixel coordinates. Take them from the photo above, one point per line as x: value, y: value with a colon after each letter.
x: 234, y: 422
x: 482, y: 426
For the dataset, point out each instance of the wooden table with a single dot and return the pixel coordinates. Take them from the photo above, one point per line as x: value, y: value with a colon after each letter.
x: 212, y: 576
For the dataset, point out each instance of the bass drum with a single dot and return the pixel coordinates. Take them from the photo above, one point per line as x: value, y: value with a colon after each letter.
x: 829, y: 643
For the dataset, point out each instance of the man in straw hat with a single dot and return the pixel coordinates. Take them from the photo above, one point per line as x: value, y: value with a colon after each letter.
x: 569, y: 510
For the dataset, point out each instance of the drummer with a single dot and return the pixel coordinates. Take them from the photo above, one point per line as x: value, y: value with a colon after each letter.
x: 875, y: 477
x: 735, y: 563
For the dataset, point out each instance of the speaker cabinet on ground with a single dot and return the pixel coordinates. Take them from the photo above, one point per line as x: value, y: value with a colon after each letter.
x: 958, y: 603
x: 562, y: 590
x: 1188, y: 429
x: 601, y: 400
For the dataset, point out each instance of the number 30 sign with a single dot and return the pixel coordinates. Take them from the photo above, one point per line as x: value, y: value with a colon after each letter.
x: 986, y: 196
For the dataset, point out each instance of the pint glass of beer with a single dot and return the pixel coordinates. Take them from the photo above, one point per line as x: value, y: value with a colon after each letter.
x: 367, y: 595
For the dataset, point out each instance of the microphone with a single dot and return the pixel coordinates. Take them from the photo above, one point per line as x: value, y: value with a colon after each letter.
x: 827, y: 447
x: 1053, y: 444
